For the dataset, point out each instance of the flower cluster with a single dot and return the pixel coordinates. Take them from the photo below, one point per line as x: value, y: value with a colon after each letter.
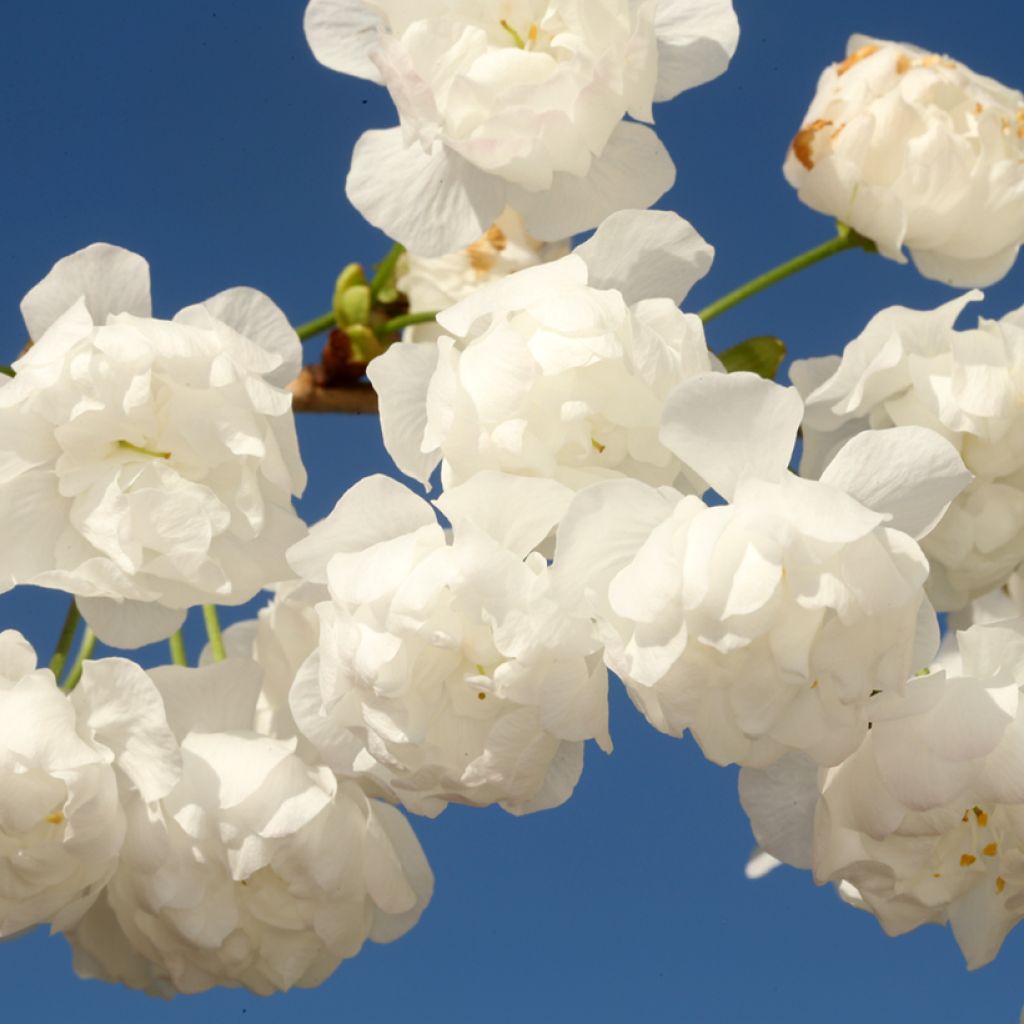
x: 614, y: 496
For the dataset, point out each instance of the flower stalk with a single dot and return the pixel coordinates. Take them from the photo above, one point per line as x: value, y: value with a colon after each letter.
x: 846, y: 238
x: 213, y: 632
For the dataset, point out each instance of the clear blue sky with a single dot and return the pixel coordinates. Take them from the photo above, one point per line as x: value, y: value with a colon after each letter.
x: 202, y: 134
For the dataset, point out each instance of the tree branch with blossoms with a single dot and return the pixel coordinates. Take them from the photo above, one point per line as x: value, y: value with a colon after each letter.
x: 616, y: 504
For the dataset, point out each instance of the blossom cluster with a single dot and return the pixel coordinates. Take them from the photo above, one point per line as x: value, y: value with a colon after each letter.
x: 614, y: 497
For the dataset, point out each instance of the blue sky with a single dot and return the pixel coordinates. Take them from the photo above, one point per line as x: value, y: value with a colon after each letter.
x: 205, y: 136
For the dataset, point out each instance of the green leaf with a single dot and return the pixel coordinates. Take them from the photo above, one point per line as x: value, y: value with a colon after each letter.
x: 762, y: 355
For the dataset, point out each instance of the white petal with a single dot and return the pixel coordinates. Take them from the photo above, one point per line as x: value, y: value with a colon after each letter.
x: 729, y: 426
x: 130, y: 624
x: 432, y: 203
x: 342, y: 35
x: 911, y: 473
x: 604, y: 527
x: 513, y: 292
x: 218, y: 697
x: 122, y: 707
x: 375, y: 509
x: 964, y: 273
x: 111, y: 279
x: 416, y: 870
x: 696, y: 39
x: 633, y: 171
x: 646, y: 254
x: 257, y: 317
x: 760, y: 863
x: 516, y: 511
x: 401, y: 377
x: 780, y: 801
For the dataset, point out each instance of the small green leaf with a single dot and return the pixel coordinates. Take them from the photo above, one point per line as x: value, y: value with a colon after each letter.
x: 6, y: 371
x: 762, y: 355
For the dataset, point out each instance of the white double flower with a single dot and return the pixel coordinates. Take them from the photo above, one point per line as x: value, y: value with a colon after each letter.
x: 516, y: 103
x: 151, y: 462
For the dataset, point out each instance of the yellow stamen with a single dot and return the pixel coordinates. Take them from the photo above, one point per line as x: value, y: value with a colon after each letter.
x: 981, y: 816
x: 991, y: 850
x: 128, y: 446
x: 936, y: 874
x: 598, y: 447
x: 481, y: 696
x: 967, y: 859
x: 516, y: 37
x: 533, y: 33
x: 1000, y: 883
x: 57, y: 818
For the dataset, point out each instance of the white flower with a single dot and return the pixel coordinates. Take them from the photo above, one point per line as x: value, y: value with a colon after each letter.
x: 448, y: 672
x: 516, y: 103
x: 148, y: 465
x: 913, y: 149
x: 437, y: 282
x: 61, y: 823
x: 910, y: 367
x: 762, y: 625
x: 925, y: 822
x: 256, y: 869
x: 558, y: 371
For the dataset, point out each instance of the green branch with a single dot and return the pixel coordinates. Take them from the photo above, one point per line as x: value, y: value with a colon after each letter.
x: 846, y: 238
x: 64, y: 641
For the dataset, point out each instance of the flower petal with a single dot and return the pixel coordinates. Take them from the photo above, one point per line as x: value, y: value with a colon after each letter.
x: 729, y: 426
x: 258, y: 318
x: 130, y: 624
x: 433, y: 203
x: 375, y: 509
x: 111, y: 279
x: 911, y: 473
x: 342, y: 35
x: 780, y: 801
x: 646, y: 254
x: 122, y: 707
x: 633, y: 171
x: 401, y: 377
x: 696, y: 40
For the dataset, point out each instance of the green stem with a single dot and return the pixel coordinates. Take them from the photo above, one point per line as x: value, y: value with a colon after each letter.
x: 7, y: 371
x: 85, y: 649
x: 846, y: 238
x: 213, y: 632
x: 67, y: 635
x: 407, y: 320
x: 317, y: 326
x: 385, y: 270
x: 179, y: 656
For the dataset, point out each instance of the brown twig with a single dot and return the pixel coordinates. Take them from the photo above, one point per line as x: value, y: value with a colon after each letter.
x: 351, y: 398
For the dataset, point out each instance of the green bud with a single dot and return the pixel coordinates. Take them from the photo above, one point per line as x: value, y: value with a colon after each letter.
x: 761, y: 355
x: 365, y: 344
x: 352, y: 306
x: 349, y: 308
